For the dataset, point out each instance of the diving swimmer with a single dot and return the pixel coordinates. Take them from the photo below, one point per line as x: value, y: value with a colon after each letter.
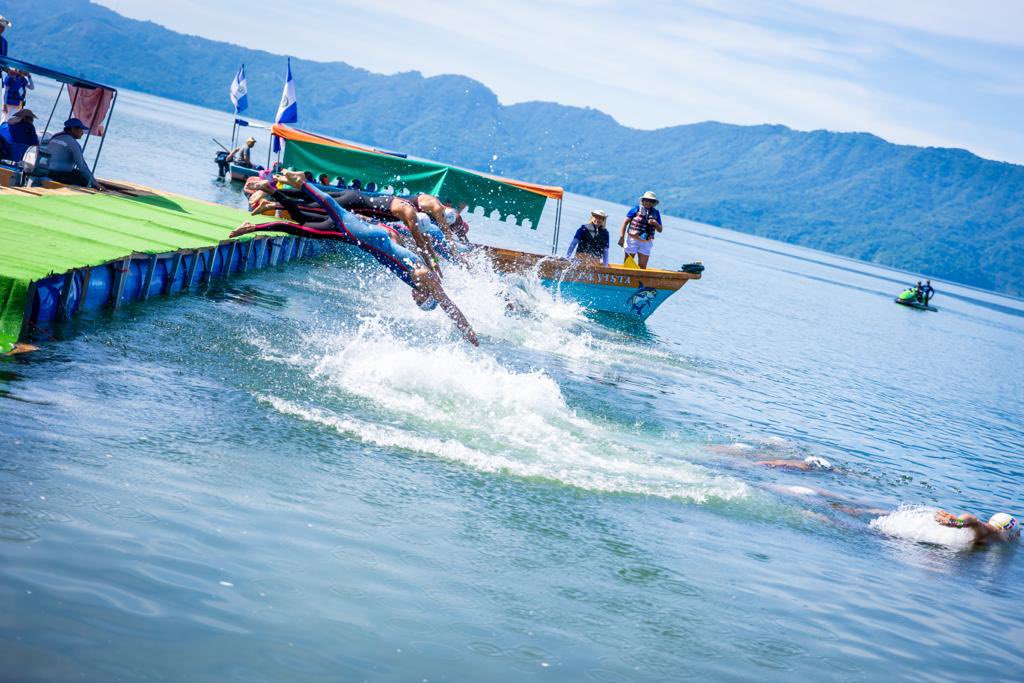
x: 1000, y: 528
x: 380, y: 242
x: 381, y: 207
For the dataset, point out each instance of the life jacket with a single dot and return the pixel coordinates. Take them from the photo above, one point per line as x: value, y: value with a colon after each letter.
x: 640, y: 227
x: 592, y: 242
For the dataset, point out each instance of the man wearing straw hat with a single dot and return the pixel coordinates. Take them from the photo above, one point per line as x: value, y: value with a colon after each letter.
x: 590, y: 243
x: 637, y: 232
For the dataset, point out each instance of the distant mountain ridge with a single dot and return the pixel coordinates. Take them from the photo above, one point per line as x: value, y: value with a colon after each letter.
x: 945, y: 212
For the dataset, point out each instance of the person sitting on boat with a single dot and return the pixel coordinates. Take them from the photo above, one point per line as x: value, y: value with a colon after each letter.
x: 376, y: 240
x: 19, y: 133
x: 16, y: 86
x: 590, y: 243
x: 356, y: 184
x: 339, y: 182
x: 323, y: 179
x: 637, y: 232
x: 919, y: 292
x: 67, y: 163
x: 1000, y: 528
x: 242, y: 155
x: 928, y: 292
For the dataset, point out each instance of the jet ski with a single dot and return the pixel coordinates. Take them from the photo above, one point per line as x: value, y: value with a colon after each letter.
x: 909, y: 298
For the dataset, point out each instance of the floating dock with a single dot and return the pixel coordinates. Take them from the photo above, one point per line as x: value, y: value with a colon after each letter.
x: 68, y: 250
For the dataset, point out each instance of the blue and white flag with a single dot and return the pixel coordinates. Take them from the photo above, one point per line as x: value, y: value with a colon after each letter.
x: 239, y: 91
x: 288, y: 110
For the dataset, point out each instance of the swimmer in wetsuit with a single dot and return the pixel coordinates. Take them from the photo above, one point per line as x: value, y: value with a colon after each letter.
x: 378, y: 241
x: 380, y: 207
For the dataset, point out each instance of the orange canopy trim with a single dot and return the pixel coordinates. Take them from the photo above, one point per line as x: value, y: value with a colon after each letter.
x: 289, y: 133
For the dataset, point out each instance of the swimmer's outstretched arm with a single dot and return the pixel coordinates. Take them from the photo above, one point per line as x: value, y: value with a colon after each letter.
x: 982, y: 530
x: 428, y: 281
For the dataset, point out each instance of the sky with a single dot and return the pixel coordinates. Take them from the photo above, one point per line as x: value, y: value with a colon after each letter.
x: 921, y: 72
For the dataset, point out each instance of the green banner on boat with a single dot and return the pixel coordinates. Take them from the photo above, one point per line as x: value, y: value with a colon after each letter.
x: 451, y: 185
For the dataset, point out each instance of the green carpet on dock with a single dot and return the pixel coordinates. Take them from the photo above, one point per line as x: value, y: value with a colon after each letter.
x: 56, y: 232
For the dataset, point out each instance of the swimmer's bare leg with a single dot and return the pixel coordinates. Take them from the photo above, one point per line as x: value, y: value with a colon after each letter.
x: 244, y: 229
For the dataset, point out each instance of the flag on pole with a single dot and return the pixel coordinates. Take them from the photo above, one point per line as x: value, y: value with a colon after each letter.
x: 288, y: 110
x: 239, y: 91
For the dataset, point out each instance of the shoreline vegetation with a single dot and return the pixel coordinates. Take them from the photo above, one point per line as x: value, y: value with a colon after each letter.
x: 944, y: 212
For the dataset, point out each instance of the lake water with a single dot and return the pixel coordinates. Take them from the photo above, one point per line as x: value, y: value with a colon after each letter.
x: 299, y: 476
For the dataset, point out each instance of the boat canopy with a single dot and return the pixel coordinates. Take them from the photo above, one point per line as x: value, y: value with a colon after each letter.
x: 512, y: 200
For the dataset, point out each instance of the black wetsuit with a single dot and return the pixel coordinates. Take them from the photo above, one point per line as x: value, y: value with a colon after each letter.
x: 297, y: 204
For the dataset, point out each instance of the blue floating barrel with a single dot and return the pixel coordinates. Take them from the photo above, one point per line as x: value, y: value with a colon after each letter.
x: 239, y: 262
x: 156, y: 284
x: 101, y: 281
x: 179, y: 277
x: 200, y: 267
x: 46, y: 300
x: 133, y: 279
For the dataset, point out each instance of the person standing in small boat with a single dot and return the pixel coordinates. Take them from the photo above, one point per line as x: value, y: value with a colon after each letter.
x: 590, y: 243
x: 636, y: 235
x: 16, y: 87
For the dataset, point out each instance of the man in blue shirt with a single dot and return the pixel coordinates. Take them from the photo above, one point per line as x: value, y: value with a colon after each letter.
x: 590, y: 242
x: 16, y: 87
x: 642, y: 222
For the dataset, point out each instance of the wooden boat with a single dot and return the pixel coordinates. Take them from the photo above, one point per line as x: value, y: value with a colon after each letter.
x: 611, y: 289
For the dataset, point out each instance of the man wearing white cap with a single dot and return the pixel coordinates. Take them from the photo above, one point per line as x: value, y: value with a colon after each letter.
x: 637, y: 232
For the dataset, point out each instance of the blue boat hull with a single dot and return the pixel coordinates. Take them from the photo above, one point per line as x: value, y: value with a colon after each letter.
x: 610, y: 289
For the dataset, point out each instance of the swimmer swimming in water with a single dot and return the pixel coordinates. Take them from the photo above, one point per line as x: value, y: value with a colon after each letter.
x: 378, y: 241
x: 1000, y: 528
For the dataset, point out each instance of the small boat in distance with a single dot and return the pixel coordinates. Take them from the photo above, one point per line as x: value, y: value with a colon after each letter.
x: 910, y: 299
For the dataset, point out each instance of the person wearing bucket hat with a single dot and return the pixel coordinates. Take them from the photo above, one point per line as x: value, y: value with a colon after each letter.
x: 18, y: 134
x: 590, y: 243
x: 67, y: 163
x: 636, y: 235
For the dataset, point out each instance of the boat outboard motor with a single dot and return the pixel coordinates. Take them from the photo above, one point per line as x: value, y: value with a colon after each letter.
x: 695, y: 268
x: 35, y: 164
x: 222, y: 163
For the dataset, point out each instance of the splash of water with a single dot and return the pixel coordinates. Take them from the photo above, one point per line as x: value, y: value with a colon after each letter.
x: 917, y: 523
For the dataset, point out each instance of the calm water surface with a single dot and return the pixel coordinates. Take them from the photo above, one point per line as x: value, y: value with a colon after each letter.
x: 299, y: 476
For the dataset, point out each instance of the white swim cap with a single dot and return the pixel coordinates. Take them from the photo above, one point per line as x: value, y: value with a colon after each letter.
x: 450, y: 216
x: 1005, y: 522
x: 818, y: 461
